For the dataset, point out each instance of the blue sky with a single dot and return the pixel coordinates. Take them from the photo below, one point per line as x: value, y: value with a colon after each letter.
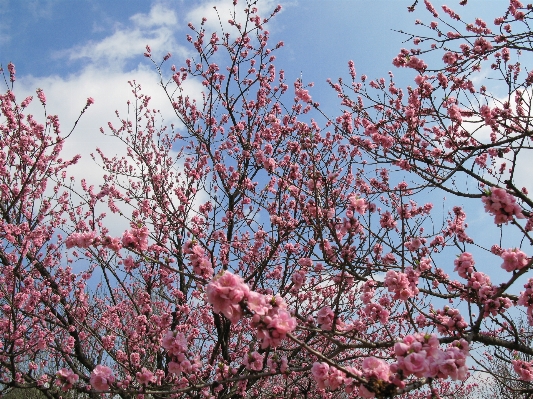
x: 79, y: 49
x: 65, y: 40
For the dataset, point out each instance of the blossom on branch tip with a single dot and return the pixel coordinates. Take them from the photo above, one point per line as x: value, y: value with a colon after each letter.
x: 253, y: 361
x: 502, y: 205
x: 145, y: 376
x: 136, y: 238
x: 66, y: 379
x: 101, y: 377
x: 226, y: 293
x: 464, y: 264
x: 514, y: 259
x: 523, y: 369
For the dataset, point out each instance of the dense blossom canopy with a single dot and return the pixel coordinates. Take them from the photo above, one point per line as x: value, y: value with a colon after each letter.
x: 271, y: 250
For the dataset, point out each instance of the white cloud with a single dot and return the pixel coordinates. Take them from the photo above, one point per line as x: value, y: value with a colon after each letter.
x: 158, y: 16
x: 157, y: 29
x: 104, y: 77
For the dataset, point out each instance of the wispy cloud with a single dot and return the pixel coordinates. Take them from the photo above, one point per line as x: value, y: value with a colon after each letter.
x: 109, y: 64
x: 157, y: 28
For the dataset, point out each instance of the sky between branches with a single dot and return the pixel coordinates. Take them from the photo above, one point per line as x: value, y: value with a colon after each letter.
x: 79, y: 49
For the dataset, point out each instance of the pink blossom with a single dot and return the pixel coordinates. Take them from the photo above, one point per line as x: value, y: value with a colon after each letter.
x: 41, y: 96
x: 175, y: 343
x: 202, y: 265
x: 358, y: 205
x: 145, y: 376
x: 298, y: 279
x: 129, y: 263
x: 523, y: 369
x: 66, y: 379
x: 415, y: 363
x: 281, y: 324
x: 303, y: 95
x: 101, y: 377
x: 387, y: 221
x: 253, y: 361
x: 374, y: 367
x: 12, y: 72
x: 226, y: 292
x: 431, y: 9
x: 276, y: 363
x: 502, y: 205
x: 464, y: 264
x: 258, y: 304
x: 136, y: 238
x: 81, y: 240
x: 274, y: 325
x: 514, y: 259
x: 320, y: 372
x: 449, y: 58
x: 401, y: 284
x: 526, y: 299
x: 174, y: 368
x: 455, y: 113
x: 325, y: 318
x: 365, y: 393
x: 327, y: 377
x: 26, y: 102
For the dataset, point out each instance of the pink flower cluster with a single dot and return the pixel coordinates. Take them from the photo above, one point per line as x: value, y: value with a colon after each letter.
x: 66, y: 379
x: 275, y: 363
x: 41, y: 96
x: 523, y: 369
x: 420, y: 355
x: 136, y: 238
x: 502, y: 205
x: 449, y: 58
x: 486, y: 292
x: 145, y: 376
x: 227, y: 293
x: 201, y: 263
x: 327, y: 377
x: 404, y: 285
x: 231, y: 296
x: 253, y: 361
x: 514, y: 259
x: 407, y: 60
x: 374, y: 368
x: 464, y: 264
x: 303, y: 95
x: 526, y: 299
x: 298, y: 279
x: 482, y: 46
x: 81, y: 240
x: 357, y: 204
x: 376, y: 313
x: 12, y: 71
x: 101, y: 377
x: 271, y: 319
x: 325, y: 318
x: 450, y: 321
x: 175, y: 343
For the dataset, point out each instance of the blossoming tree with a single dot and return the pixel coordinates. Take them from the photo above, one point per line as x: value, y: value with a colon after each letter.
x: 268, y: 255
